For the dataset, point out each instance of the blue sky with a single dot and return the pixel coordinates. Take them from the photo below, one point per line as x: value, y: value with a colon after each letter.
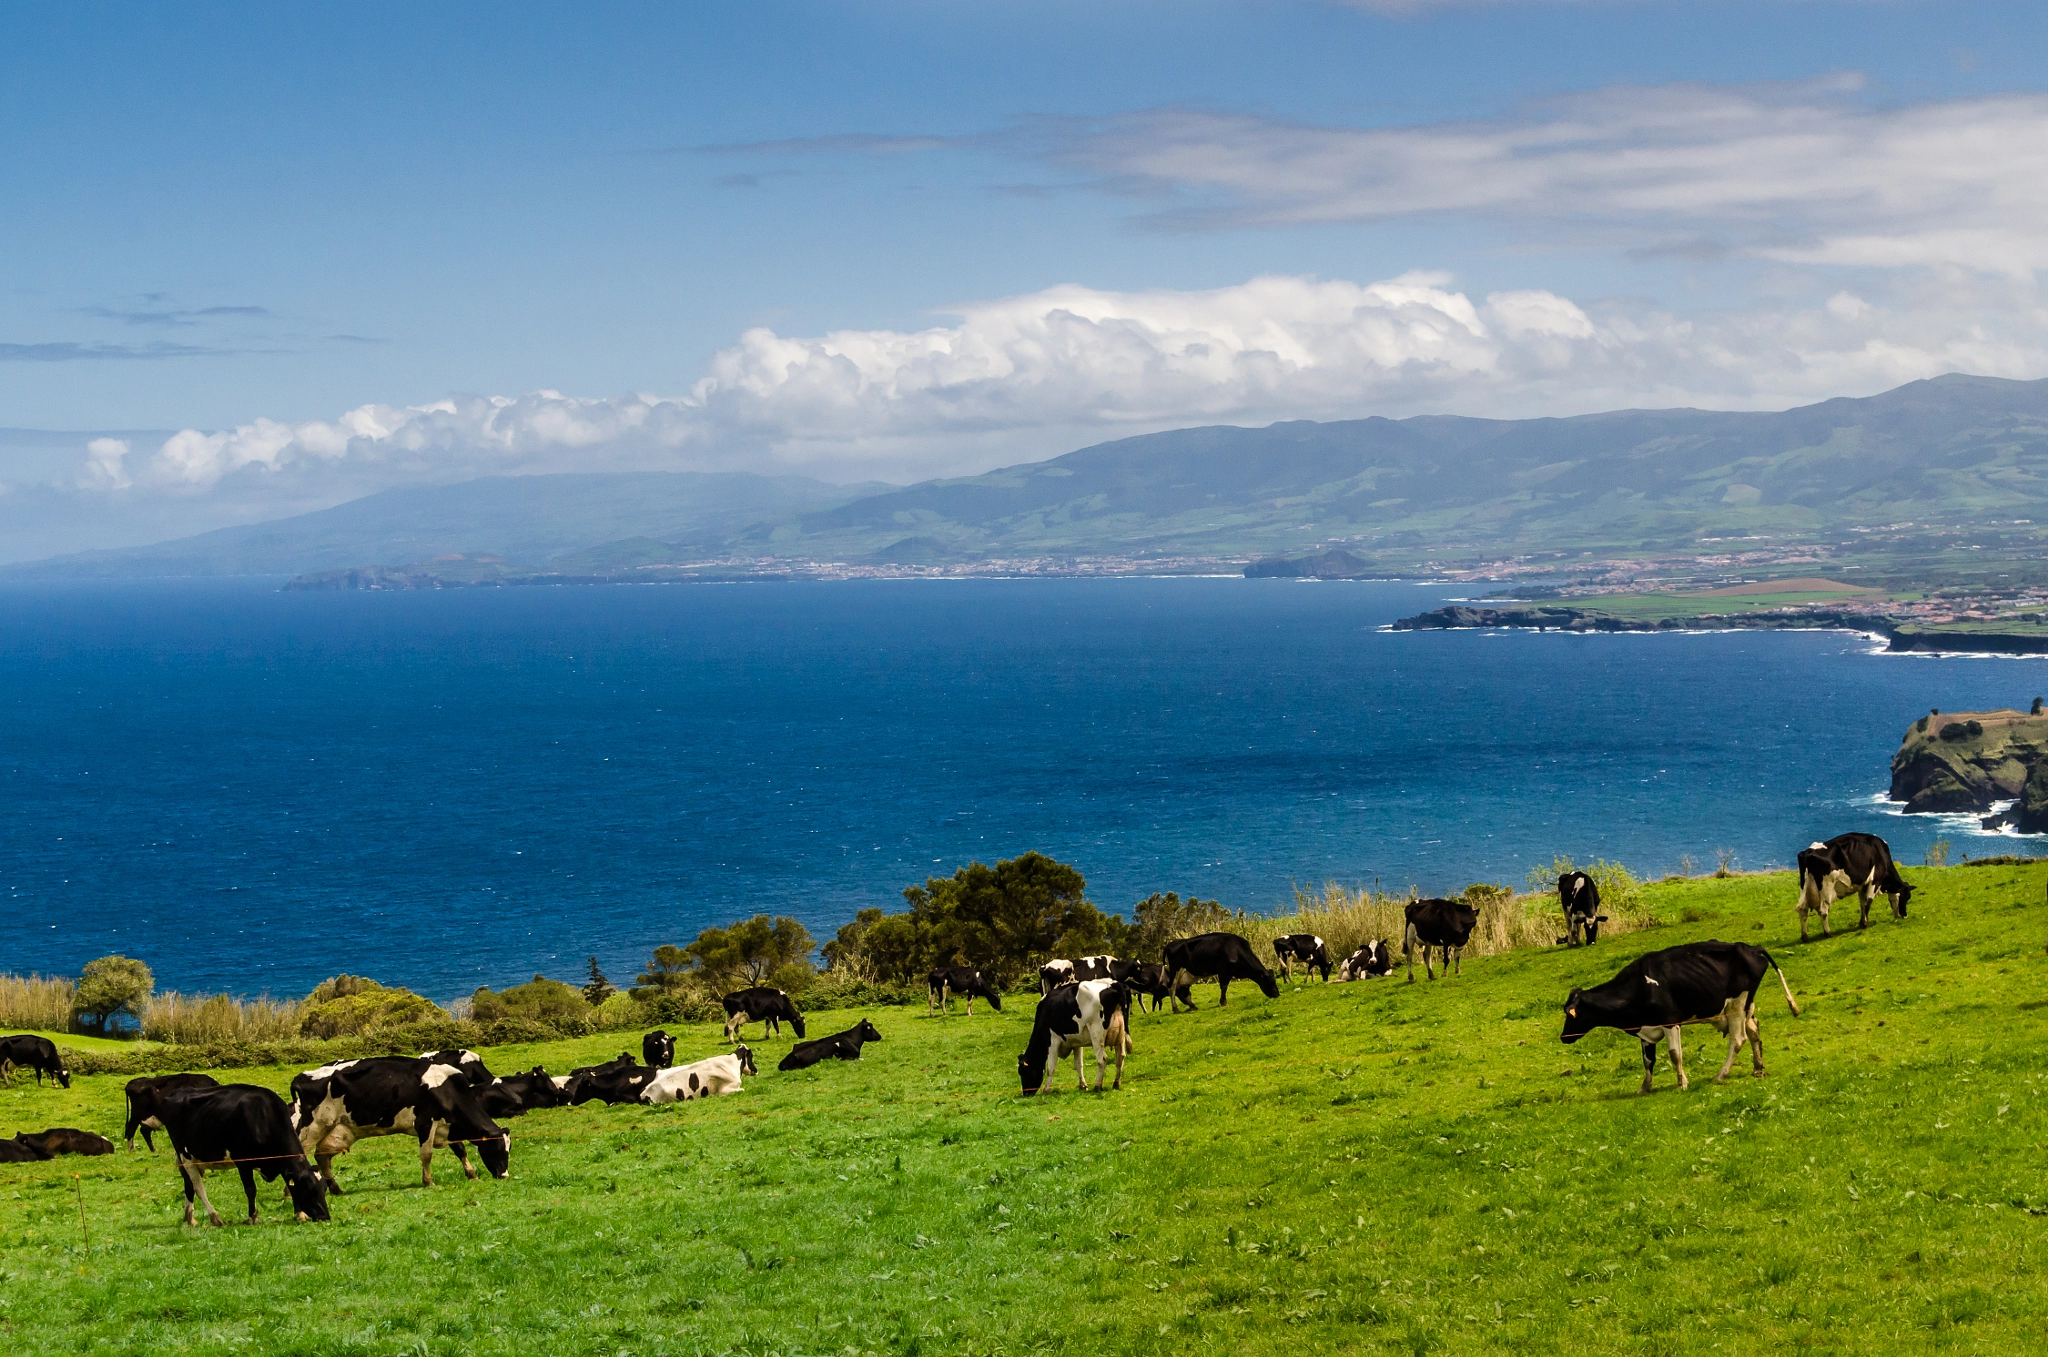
x: 341, y: 249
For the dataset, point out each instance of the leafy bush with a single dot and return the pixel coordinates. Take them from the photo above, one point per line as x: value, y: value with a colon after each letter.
x: 112, y: 987
x: 748, y: 952
x: 349, y: 1005
x: 539, y: 999
x: 1955, y: 730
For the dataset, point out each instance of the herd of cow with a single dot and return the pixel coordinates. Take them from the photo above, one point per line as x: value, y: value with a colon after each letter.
x: 449, y: 1099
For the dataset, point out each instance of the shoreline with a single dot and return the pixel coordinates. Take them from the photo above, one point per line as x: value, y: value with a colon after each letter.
x: 1899, y: 638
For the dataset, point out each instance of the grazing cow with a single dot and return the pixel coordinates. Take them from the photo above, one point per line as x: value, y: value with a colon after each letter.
x: 945, y: 982
x: 1222, y: 956
x: 764, y: 1004
x: 619, y: 1084
x: 704, y: 1079
x: 1098, y: 967
x: 1053, y: 974
x: 1849, y: 864
x: 1444, y: 924
x: 1305, y: 948
x: 242, y: 1125
x: 142, y: 1097
x: 1146, y: 980
x: 658, y: 1050
x: 28, y: 1052
x: 469, y: 1062
x: 1069, y: 1021
x: 15, y: 1152
x: 839, y: 1046
x: 336, y: 1105
x: 64, y: 1140
x: 515, y: 1095
x: 1369, y: 962
x: 1579, y: 895
x: 1655, y: 995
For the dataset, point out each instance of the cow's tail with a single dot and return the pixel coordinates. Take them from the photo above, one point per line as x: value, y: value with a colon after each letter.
x: 1783, y: 984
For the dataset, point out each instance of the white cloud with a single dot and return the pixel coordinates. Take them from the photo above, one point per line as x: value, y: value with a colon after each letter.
x: 1031, y: 376
x: 103, y: 469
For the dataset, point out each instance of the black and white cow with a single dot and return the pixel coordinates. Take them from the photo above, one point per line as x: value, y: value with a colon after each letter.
x: 336, y: 1105
x: 1579, y: 896
x: 618, y: 1084
x: 1305, y: 948
x: 945, y: 982
x: 1223, y: 957
x: 469, y: 1062
x: 66, y: 1140
x: 1146, y: 980
x: 1369, y: 962
x: 1070, y: 1020
x: 839, y: 1046
x: 1443, y: 924
x: 1849, y: 864
x: 658, y: 1050
x: 29, y: 1052
x: 1053, y: 974
x: 703, y: 1079
x: 246, y: 1127
x: 1654, y: 996
x: 514, y: 1095
x: 142, y: 1097
x: 764, y: 1004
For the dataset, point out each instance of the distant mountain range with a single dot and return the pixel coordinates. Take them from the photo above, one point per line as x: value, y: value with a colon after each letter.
x: 1951, y: 452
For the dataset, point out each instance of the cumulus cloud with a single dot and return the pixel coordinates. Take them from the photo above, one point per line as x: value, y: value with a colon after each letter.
x: 1034, y: 375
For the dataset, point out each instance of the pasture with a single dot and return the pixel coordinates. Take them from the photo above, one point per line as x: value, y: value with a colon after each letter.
x: 1373, y: 1167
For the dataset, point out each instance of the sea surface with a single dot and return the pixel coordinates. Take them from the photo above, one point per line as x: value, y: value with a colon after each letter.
x: 253, y: 790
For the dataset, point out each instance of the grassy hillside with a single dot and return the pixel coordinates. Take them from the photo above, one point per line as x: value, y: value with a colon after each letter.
x: 1373, y: 1167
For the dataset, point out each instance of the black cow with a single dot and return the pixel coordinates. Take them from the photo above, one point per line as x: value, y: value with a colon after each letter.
x: 1445, y: 924
x: 64, y: 1140
x: 245, y: 1126
x: 469, y: 1062
x: 574, y: 1081
x: 1070, y: 1020
x: 339, y: 1104
x: 618, y: 1084
x: 29, y: 1052
x: 142, y: 1098
x: 945, y: 982
x: 1146, y: 980
x: 840, y: 1046
x: 514, y: 1095
x: 16, y: 1152
x: 1222, y: 956
x: 1579, y: 896
x: 764, y: 1004
x: 1655, y: 995
x: 1858, y: 864
x: 658, y: 1050
x: 1369, y: 962
x: 1305, y: 948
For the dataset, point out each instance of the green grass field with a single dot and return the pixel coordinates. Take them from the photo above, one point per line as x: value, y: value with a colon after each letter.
x: 1373, y: 1167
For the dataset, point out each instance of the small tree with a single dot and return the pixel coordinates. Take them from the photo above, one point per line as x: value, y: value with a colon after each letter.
x: 111, y: 986
x: 668, y: 972
x: 750, y: 950
x: 599, y: 989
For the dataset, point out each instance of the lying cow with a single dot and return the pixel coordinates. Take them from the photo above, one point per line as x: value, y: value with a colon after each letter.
x: 705, y: 1079
x: 763, y: 1004
x: 839, y: 1046
x: 1443, y: 924
x: 1070, y: 1020
x: 1655, y: 995
x: 336, y: 1105
x: 15, y: 1152
x: 658, y: 1050
x: 1579, y: 896
x: 1223, y: 957
x: 1147, y: 980
x: 1849, y: 864
x: 469, y: 1062
x: 247, y: 1127
x: 618, y: 1084
x: 65, y: 1140
x: 143, y: 1093
x: 1305, y: 948
x: 1369, y: 962
x: 29, y: 1052
x: 945, y: 982
x: 514, y: 1095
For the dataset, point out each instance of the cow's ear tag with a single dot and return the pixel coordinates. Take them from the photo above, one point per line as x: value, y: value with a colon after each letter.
x: 1571, y: 1013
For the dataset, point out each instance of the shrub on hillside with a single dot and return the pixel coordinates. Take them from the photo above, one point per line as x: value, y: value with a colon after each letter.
x: 112, y: 987
x: 41, y: 1003
x: 539, y: 999
x: 210, y: 1019
x: 349, y: 1005
x: 1159, y: 919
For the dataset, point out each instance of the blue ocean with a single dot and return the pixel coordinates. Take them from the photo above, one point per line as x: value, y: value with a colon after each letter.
x: 253, y: 790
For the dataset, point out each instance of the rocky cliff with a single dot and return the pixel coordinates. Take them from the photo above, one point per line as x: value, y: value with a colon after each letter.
x: 1965, y: 761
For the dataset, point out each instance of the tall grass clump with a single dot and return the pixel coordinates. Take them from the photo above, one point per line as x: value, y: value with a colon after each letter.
x: 40, y: 1003
x: 218, y: 1019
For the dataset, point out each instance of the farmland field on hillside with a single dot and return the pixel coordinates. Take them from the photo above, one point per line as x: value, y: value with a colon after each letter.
x: 1374, y: 1167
